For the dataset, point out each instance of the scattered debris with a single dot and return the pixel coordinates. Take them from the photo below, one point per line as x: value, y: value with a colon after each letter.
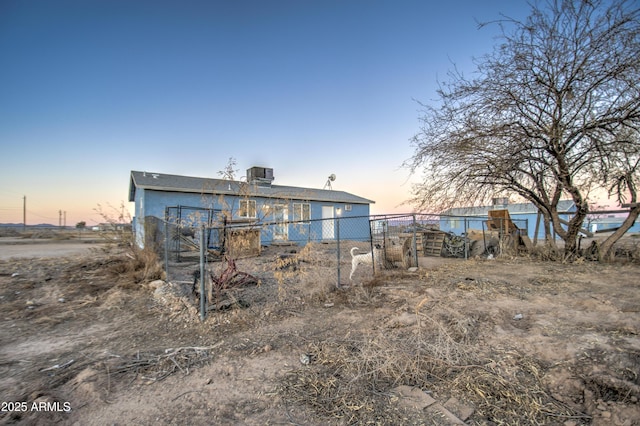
x: 58, y: 366
x: 305, y: 359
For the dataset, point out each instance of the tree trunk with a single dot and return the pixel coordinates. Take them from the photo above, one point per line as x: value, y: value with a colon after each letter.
x: 548, y: 234
x: 607, y: 245
x: 571, y: 236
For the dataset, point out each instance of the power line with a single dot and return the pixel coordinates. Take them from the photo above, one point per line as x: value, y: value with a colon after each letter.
x: 9, y: 191
x: 43, y: 217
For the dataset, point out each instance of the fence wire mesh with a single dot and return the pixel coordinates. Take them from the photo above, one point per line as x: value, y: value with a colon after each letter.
x: 339, y: 250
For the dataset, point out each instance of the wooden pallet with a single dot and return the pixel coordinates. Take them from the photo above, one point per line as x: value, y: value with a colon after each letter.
x: 430, y: 243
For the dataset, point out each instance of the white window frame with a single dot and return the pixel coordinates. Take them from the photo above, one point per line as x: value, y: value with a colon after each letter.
x: 247, y: 209
x: 299, y: 212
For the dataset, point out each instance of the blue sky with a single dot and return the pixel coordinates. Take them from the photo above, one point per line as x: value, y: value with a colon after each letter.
x: 90, y: 90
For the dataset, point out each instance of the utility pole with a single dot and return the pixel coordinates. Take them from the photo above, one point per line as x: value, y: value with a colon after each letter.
x: 65, y: 219
x: 24, y: 213
x: 59, y: 218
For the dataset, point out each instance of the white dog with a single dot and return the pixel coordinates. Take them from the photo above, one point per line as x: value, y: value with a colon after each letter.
x: 365, y: 258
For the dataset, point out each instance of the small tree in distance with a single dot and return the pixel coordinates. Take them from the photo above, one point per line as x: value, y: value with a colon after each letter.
x: 552, y: 113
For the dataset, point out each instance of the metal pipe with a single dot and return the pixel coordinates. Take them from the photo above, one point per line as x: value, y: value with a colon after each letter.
x: 338, y: 246
x: 203, y: 295
x: 466, y: 239
x: 415, y: 242
x: 166, y: 249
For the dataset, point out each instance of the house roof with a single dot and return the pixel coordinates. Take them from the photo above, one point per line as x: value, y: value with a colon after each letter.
x: 176, y: 183
x: 514, y: 209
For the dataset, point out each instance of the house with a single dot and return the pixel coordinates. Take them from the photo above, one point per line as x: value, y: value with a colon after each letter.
x: 524, y: 216
x: 282, y: 213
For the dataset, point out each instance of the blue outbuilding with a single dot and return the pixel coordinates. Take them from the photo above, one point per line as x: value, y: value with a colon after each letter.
x: 524, y: 216
x: 282, y: 213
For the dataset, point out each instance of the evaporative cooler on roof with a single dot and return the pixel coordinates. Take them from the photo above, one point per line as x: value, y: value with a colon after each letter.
x: 260, y: 175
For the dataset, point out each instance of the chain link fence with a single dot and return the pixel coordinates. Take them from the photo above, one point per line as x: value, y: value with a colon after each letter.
x: 393, y: 241
x: 340, y: 251
x: 180, y: 242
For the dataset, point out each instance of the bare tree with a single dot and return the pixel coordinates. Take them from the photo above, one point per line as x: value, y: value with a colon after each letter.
x: 229, y: 172
x: 547, y: 116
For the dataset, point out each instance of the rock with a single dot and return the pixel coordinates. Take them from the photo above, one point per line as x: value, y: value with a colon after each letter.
x: 461, y: 410
x: 411, y: 397
x: 156, y: 284
x: 413, y: 269
x: 518, y: 317
x: 445, y: 414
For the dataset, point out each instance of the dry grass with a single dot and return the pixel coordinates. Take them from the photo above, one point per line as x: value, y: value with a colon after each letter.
x: 304, y: 273
x: 136, y: 266
x: 509, y: 391
x: 350, y: 381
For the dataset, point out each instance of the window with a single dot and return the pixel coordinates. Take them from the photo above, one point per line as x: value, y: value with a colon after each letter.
x: 247, y: 208
x: 347, y: 207
x: 301, y: 212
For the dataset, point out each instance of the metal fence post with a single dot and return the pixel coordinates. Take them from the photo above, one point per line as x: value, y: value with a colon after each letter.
x: 166, y: 249
x: 203, y: 295
x: 373, y: 264
x: 415, y: 241
x: 338, y: 244
x: 466, y: 239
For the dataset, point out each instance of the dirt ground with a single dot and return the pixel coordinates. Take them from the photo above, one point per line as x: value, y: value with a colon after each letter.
x: 19, y: 247
x: 509, y: 340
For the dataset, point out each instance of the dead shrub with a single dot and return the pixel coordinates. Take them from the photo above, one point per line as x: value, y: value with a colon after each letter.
x: 136, y: 266
x: 6, y: 231
x: 629, y: 252
x: 508, y: 390
x: 547, y: 252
